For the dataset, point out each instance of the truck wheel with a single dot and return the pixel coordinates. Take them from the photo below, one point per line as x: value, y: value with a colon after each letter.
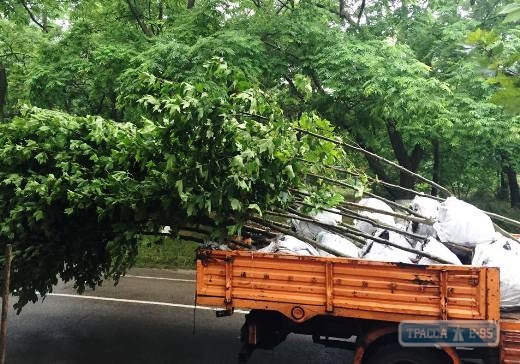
x: 396, y: 354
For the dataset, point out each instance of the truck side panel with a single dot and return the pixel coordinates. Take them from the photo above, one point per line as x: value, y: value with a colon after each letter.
x: 510, y: 339
x: 345, y: 287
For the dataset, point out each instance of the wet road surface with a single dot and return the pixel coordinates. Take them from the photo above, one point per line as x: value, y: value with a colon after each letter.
x: 147, y: 318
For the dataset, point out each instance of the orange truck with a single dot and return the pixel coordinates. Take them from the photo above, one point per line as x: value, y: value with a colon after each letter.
x: 356, y: 304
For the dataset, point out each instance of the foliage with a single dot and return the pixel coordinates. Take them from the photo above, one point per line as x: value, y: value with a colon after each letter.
x: 66, y: 199
x: 18, y: 44
x: 511, y: 12
x: 77, y: 192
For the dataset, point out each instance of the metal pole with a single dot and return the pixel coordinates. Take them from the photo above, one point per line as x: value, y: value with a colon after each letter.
x: 5, y: 301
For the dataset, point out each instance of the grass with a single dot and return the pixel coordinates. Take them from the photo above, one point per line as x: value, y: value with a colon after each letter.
x: 166, y: 253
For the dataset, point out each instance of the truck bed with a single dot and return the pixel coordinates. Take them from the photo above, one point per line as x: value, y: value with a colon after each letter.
x: 510, y: 338
x: 345, y: 287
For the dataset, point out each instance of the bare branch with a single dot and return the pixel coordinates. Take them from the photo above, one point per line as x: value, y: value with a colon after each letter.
x: 344, y: 184
x: 373, y: 180
x: 347, y: 205
x: 354, y: 215
x: 360, y: 13
x: 354, y: 231
x: 275, y: 226
x: 293, y: 88
x: 136, y: 13
x: 33, y: 17
x: 283, y: 5
x: 373, y: 155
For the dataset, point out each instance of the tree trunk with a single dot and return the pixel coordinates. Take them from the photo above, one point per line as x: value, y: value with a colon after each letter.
x: 436, y: 171
x: 514, y: 190
x: 410, y: 161
x: 341, y: 8
x: 3, y: 91
x: 406, y: 181
x: 114, y: 113
x: 375, y: 165
x: 45, y: 20
x: 138, y: 17
x: 99, y: 109
x: 503, y: 189
x: 160, y: 12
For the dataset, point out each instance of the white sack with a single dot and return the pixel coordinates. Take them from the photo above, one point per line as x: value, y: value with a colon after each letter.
x: 428, y: 208
x: 271, y: 248
x: 464, y: 224
x: 436, y: 248
x: 323, y: 253
x: 338, y: 244
x: 310, y: 230
x: 215, y: 246
x: 511, y: 245
x: 290, y: 245
x: 375, y: 203
x: 385, y: 253
x: 165, y: 230
x: 494, y: 255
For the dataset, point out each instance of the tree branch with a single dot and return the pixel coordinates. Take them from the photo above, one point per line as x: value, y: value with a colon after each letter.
x: 346, y: 185
x: 33, y: 17
x: 138, y: 18
x: 283, y: 5
x: 358, y: 216
x: 342, y: 14
x: 361, y: 9
x: 348, y: 205
x: 397, y: 142
x: 373, y: 180
x: 351, y: 230
x: 375, y: 156
x: 293, y: 88
x: 373, y: 163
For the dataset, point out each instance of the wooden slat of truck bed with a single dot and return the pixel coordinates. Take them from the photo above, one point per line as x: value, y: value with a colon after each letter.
x: 510, y: 337
x: 350, y: 287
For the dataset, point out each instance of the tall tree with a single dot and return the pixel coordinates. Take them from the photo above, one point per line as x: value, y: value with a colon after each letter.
x: 18, y: 46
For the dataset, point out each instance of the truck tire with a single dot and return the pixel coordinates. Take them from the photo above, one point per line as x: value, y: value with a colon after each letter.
x: 395, y: 354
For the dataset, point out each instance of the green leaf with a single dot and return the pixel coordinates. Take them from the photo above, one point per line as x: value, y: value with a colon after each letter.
x: 41, y: 157
x: 303, y: 85
x: 513, y: 16
x: 238, y: 161
x: 255, y: 207
x: 38, y: 215
x: 180, y: 187
x: 509, y: 9
x: 236, y: 205
x: 207, y: 204
x: 360, y: 189
x: 289, y: 170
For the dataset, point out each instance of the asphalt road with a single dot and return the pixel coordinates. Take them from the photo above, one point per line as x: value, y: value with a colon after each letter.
x: 147, y: 318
